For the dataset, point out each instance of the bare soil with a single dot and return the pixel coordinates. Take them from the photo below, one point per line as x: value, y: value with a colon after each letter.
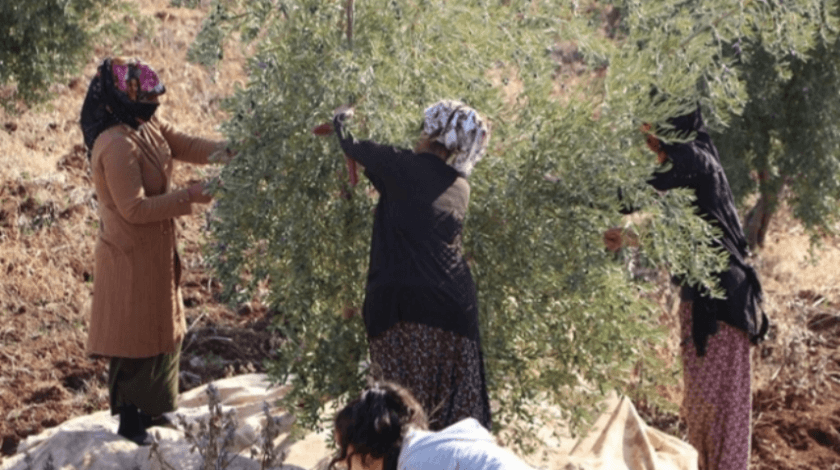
x: 48, y: 224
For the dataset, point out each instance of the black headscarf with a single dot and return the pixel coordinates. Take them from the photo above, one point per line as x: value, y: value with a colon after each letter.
x: 109, y: 101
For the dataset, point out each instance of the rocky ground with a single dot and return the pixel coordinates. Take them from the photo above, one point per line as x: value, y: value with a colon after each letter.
x: 48, y: 222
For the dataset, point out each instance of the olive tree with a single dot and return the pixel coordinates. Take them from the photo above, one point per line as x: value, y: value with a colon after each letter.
x: 561, y: 319
x: 45, y: 41
x: 787, y: 135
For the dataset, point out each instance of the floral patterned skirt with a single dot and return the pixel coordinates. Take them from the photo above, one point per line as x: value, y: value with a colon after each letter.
x: 444, y: 371
x: 717, y: 402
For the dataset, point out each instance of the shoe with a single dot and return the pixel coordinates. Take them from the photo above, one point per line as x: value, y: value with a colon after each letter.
x: 131, y: 427
x: 141, y: 439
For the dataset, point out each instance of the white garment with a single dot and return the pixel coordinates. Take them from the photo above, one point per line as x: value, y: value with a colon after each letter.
x: 465, y: 445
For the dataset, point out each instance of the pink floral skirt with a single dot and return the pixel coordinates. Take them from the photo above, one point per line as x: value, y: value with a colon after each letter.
x: 718, y: 401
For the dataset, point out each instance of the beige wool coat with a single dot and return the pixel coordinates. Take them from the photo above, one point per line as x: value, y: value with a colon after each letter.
x: 137, y: 308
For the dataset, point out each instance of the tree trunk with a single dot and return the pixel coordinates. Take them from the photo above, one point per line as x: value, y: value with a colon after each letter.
x: 758, y: 218
x: 348, y: 10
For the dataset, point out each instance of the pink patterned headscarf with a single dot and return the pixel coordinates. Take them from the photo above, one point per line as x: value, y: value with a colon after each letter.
x: 120, y: 92
x: 148, y: 83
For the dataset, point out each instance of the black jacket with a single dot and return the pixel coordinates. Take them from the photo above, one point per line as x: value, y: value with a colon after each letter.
x: 417, y: 270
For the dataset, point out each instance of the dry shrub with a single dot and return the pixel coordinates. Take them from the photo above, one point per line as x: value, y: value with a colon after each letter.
x: 213, y: 438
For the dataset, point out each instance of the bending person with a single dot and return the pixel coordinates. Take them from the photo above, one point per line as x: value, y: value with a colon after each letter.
x: 137, y: 317
x: 385, y: 429
x: 420, y: 306
x: 716, y: 333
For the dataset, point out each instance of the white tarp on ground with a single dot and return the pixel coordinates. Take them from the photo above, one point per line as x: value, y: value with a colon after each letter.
x: 90, y: 442
x: 619, y: 440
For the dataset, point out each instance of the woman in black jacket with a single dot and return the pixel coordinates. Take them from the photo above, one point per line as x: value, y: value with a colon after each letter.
x: 420, y: 306
x: 716, y: 333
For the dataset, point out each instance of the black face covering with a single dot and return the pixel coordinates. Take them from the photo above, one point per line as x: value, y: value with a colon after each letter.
x: 145, y: 111
x: 107, y: 104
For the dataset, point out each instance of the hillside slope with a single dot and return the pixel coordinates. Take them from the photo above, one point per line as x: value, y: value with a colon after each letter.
x: 48, y: 222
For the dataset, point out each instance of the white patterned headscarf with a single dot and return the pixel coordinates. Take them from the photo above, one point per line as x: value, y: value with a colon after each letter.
x: 460, y: 129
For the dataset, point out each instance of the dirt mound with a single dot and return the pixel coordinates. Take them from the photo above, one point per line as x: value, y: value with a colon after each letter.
x: 796, y: 417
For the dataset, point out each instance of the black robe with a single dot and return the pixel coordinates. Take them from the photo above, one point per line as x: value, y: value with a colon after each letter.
x: 417, y: 269
x: 696, y: 165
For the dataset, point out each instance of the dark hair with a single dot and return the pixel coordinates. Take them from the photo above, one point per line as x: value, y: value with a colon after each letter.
x: 376, y: 423
x: 434, y: 145
x: 439, y: 148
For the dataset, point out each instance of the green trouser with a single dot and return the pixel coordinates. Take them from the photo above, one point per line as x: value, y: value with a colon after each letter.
x: 149, y: 383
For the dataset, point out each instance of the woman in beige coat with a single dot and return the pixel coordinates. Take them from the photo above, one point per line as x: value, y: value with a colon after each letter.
x: 137, y: 318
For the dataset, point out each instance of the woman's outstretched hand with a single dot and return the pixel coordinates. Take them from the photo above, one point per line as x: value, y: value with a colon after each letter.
x: 340, y: 114
x: 199, y: 194
x: 343, y: 113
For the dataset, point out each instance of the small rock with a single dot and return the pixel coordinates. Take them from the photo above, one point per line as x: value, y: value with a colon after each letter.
x: 197, y: 362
